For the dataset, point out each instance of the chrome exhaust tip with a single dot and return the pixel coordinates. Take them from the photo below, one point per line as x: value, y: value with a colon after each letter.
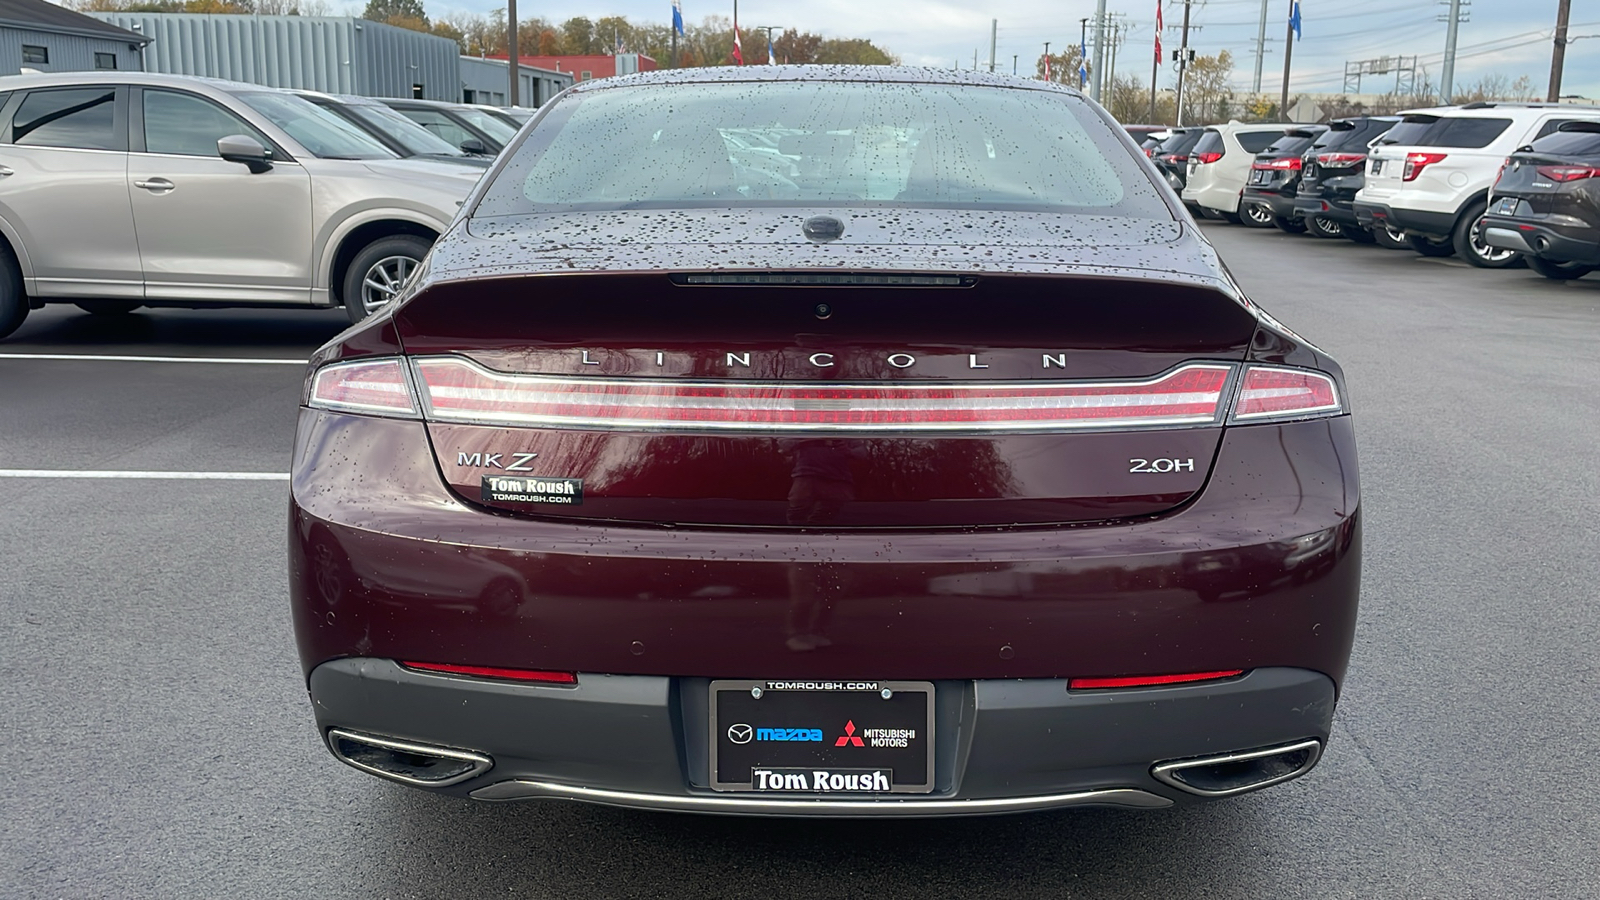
x: 419, y: 765
x: 1236, y: 773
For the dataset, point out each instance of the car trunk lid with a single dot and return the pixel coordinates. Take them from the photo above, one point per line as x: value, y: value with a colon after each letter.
x: 835, y: 399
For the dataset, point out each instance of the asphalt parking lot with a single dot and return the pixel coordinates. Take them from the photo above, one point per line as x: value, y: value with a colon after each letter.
x: 158, y: 743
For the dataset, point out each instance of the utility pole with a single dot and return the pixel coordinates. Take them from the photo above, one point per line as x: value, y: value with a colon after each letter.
x: 513, y: 58
x: 1099, y: 50
x: 1449, y: 72
x: 1183, y: 58
x: 1288, y: 54
x: 994, y: 33
x: 1109, y: 83
x: 1261, y: 49
x: 1558, y: 56
x: 1014, y: 62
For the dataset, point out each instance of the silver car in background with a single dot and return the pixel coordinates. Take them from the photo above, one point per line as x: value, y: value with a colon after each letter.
x: 120, y: 190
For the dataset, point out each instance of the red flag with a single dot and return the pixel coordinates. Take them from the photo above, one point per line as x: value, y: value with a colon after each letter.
x: 738, y: 48
x: 1158, y: 32
x: 1047, y: 67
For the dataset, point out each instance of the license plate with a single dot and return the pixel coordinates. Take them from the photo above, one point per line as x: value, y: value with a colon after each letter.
x: 1377, y: 167
x: 1506, y: 206
x: 1258, y: 177
x: 823, y: 738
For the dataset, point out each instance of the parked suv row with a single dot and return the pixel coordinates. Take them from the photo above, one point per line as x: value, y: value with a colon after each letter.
x: 120, y: 190
x: 1436, y: 188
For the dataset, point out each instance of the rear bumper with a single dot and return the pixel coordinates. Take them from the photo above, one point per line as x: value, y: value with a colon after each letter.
x: 1323, y: 207
x: 1539, y: 240
x: 1206, y: 190
x: 1417, y: 221
x: 1000, y: 745
x: 1282, y: 205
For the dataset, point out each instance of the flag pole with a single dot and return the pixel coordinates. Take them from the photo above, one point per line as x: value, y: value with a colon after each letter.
x: 1155, y: 64
x: 1288, y: 54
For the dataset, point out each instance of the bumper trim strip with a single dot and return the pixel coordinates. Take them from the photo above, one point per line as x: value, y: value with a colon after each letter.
x: 521, y: 789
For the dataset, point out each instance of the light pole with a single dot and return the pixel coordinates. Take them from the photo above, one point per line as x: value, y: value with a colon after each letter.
x: 513, y: 58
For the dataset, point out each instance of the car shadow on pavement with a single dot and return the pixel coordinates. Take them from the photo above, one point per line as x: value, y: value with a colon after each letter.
x: 60, y: 328
x: 445, y: 847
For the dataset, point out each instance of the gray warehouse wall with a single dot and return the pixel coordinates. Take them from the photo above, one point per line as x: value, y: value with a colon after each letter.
x: 68, y: 52
x: 339, y: 55
x: 486, y: 78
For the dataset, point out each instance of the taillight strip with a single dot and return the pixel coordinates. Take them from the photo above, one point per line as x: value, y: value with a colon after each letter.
x: 458, y: 390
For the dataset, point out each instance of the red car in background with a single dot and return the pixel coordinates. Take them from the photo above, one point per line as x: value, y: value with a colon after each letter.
x: 825, y: 441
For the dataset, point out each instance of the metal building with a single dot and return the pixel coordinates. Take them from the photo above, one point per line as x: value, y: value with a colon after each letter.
x: 339, y: 55
x: 484, y: 81
x: 47, y: 38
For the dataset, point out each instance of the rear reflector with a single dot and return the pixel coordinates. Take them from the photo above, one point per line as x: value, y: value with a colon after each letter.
x: 1084, y: 684
x: 374, y: 387
x: 1270, y: 392
x: 457, y: 390
x: 534, y: 675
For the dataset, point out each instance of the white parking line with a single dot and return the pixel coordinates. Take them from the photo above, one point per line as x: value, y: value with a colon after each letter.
x: 169, y: 476
x: 231, y: 360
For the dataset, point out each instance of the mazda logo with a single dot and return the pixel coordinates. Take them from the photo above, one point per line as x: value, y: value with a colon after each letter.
x: 740, y: 734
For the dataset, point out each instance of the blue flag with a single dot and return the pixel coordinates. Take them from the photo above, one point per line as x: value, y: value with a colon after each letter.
x: 1083, y: 64
x: 1294, y: 19
x: 677, y: 16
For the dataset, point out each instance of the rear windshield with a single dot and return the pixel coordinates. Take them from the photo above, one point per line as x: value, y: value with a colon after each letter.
x: 1290, y: 144
x: 1211, y: 142
x: 1180, y: 143
x: 1569, y: 143
x: 1465, y: 133
x: 830, y: 142
x: 1257, y: 141
x: 1351, y: 135
x: 1408, y: 130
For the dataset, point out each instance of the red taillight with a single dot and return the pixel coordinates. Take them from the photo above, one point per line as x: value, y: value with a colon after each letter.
x: 1340, y: 159
x: 1179, y: 157
x: 456, y: 390
x: 1416, y: 162
x: 1285, y: 164
x: 533, y: 675
x: 1567, y: 173
x: 1208, y: 157
x: 1082, y: 684
x: 374, y: 387
x: 1270, y: 392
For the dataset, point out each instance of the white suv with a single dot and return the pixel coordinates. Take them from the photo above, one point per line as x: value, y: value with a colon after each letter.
x: 1220, y: 164
x: 1437, y: 189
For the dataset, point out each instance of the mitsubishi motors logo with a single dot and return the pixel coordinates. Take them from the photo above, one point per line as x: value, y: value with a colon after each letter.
x: 849, y: 736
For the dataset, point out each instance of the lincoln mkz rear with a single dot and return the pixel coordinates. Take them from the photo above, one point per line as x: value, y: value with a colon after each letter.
x: 825, y: 441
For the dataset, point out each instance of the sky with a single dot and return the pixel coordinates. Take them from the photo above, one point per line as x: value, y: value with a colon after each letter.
x: 1502, y: 37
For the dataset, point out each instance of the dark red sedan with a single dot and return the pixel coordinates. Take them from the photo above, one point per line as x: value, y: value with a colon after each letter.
x: 825, y: 441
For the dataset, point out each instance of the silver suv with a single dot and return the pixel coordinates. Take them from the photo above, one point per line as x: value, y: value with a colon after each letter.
x: 121, y: 190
